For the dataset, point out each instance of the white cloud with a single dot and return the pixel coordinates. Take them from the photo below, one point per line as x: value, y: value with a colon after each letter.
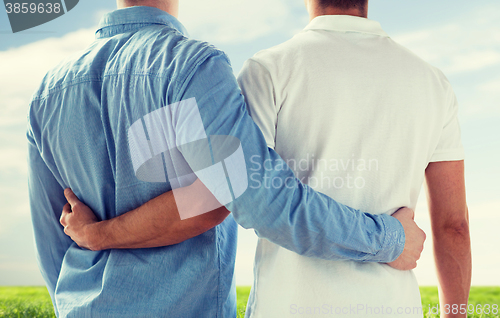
x: 18, y: 266
x: 14, y: 160
x: 98, y: 16
x: 488, y: 210
x: 485, y: 211
x: 483, y: 100
x: 223, y: 21
x: 490, y: 87
x: 467, y: 46
x: 471, y: 43
x: 21, y: 272
x: 235, y: 21
x: 474, y: 60
x: 247, y: 244
x: 14, y: 215
x: 23, y: 69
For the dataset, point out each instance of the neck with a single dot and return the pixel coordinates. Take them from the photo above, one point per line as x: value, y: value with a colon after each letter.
x: 316, y: 10
x: 169, y: 6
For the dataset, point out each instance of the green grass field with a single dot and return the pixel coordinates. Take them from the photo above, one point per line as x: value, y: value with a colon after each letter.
x: 17, y: 302
x: 20, y: 302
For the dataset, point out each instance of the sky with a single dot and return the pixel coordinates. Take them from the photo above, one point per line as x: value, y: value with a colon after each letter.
x: 460, y: 37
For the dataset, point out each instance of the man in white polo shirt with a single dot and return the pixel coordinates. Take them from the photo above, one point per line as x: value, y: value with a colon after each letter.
x: 371, y: 120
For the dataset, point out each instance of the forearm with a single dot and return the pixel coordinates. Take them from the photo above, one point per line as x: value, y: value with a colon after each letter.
x: 450, y: 226
x: 156, y: 223
x: 454, y: 266
x: 136, y: 229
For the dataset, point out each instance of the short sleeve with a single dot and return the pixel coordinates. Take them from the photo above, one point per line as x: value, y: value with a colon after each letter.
x: 449, y: 147
x: 256, y: 84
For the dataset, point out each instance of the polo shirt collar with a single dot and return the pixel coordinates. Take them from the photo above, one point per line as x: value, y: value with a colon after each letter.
x: 346, y: 23
x: 134, y: 18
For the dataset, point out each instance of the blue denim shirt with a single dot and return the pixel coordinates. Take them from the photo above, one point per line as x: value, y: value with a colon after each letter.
x: 141, y: 61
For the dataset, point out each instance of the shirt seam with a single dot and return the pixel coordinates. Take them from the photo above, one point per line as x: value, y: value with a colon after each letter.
x: 456, y: 154
x: 152, y: 21
x: 76, y: 81
x: 57, y: 88
x: 219, y: 291
x: 114, y: 32
x: 253, y: 59
x: 194, y: 68
x: 348, y: 31
x: 447, y: 150
x: 276, y: 99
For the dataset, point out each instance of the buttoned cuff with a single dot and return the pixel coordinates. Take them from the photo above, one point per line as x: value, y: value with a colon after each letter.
x: 394, y: 240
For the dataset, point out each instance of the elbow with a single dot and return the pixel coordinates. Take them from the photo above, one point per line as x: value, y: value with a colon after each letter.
x: 214, y: 218
x: 459, y: 229
x: 453, y: 238
x: 457, y: 226
x: 182, y: 230
x: 221, y: 215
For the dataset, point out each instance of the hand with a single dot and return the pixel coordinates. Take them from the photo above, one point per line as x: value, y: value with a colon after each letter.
x: 78, y: 219
x: 414, y: 243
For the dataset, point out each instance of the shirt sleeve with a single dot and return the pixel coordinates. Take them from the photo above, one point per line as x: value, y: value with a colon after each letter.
x: 46, y: 204
x: 450, y: 146
x: 275, y: 203
x: 257, y: 86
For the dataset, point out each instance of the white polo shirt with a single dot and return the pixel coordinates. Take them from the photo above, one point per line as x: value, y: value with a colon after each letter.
x: 358, y: 117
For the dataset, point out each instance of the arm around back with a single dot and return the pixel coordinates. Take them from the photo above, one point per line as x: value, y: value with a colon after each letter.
x: 291, y: 215
x: 275, y: 203
x: 155, y: 223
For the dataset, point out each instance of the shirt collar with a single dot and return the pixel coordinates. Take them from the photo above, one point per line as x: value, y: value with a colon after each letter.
x: 134, y: 18
x: 346, y: 23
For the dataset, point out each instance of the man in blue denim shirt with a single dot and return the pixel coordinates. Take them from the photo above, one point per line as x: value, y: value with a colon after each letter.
x: 79, y: 119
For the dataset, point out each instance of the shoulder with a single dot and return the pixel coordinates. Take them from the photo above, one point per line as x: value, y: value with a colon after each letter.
x: 275, y: 62
x: 174, y: 56
x: 414, y: 62
x: 182, y: 47
x: 153, y: 51
x: 281, y: 54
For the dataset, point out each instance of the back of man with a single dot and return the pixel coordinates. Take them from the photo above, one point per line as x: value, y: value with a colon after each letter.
x: 359, y: 118
x: 79, y: 124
